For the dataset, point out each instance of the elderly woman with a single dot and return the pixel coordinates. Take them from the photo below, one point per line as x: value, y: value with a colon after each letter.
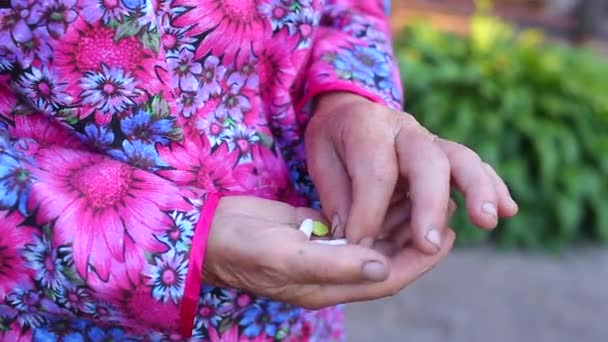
x: 153, y: 169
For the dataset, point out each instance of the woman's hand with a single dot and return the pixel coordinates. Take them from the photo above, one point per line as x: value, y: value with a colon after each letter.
x: 254, y: 245
x: 362, y: 155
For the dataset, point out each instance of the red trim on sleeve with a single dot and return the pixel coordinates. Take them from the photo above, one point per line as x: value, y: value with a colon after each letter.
x: 194, y: 277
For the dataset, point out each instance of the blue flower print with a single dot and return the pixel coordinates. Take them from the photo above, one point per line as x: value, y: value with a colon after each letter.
x: 363, y: 64
x: 98, y: 136
x: 78, y: 300
x: 139, y: 154
x: 15, y: 180
x: 28, y: 304
x: 43, y: 259
x: 134, y: 4
x: 182, y: 230
x: 257, y: 320
x: 167, y: 276
x: 110, y: 90
x: 96, y: 334
x: 141, y: 126
x: 62, y: 330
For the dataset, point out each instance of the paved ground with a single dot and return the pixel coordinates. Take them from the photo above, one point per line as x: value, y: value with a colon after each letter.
x: 483, y: 295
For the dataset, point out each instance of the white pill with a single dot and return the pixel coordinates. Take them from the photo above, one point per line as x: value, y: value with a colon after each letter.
x: 306, y: 227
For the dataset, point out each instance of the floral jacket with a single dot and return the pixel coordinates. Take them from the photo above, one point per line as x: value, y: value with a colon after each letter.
x: 122, y: 121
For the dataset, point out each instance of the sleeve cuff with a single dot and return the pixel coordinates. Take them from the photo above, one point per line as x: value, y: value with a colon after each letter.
x: 194, y: 277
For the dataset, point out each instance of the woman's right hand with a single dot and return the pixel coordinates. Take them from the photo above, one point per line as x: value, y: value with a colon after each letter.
x: 255, y: 246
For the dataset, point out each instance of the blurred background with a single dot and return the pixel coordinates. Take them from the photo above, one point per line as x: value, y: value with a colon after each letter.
x: 525, y: 84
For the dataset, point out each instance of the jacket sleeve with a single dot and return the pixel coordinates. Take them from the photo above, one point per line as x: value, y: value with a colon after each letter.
x: 93, y: 237
x: 352, y: 51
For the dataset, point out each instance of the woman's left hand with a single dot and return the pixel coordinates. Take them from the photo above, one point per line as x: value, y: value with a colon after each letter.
x: 359, y: 152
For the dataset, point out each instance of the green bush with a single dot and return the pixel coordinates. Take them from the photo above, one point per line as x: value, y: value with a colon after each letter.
x: 538, y: 112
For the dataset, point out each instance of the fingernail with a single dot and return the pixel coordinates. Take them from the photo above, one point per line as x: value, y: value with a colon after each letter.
x: 367, y: 242
x: 374, y: 271
x: 335, y: 224
x: 489, y: 208
x: 433, y: 237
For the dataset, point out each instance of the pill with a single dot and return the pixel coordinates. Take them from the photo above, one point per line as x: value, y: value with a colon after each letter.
x: 320, y: 229
x: 306, y: 227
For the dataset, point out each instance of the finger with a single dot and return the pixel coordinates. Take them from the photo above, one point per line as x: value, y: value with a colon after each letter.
x: 312, y: 263
x: 507, y: 207
x: 452, y: 209
x: 276, y: 213
x: 427, y: 170
x: 331, y: 181
x: 401, y: 234
x: 470, y: 177
x: 386, y: 247
x: 372, y: 166
x: 408, y: 265
x: 398, y: 214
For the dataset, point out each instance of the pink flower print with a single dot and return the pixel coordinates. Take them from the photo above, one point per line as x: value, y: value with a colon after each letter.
x: 43, y: 130
x: 209, y: 126
x: 106, y: 10
x: 36, y: 47
x: 208, y: 315
x: 94, y: 49
x: 28, y: 304
x: 241, y: 139
x: 14, y: 239
x: 185, y: 71
x: 16, y: 21
x: 271, y: 173
x: 108, y: 91
x: 189, y: 102
x: 234, y: 104
x: 142, y: 312
x: 196, y: 165
x: 167, y: 276
x: 43, y: 89
x: 232, y: 26
x: 174, y: 39
x: 276, y: 12
x: 302, y: 24
x: 13, y: 332
x: 247, y: 70
x: 7, y: 56
x: 212, y: 73
x: 100, y: 206
x: 275, y: 68
x: 231, y: 335
x: 56, y: 16
x: 78, y: 300
x: 48, y: 267
x: 179, y: 235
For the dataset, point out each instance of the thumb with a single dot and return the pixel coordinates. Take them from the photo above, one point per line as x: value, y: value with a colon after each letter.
x: 351, y: 264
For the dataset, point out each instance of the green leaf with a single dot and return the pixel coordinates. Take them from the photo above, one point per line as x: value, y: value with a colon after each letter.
x: 128, y: 28
x: 266, y: 141
x: 151, y: 40
x: 159, y: 107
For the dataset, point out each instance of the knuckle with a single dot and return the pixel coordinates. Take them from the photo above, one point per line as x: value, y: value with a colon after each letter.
x: 381, y: 171
x: 441, y: 163
x: 467, y: 154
